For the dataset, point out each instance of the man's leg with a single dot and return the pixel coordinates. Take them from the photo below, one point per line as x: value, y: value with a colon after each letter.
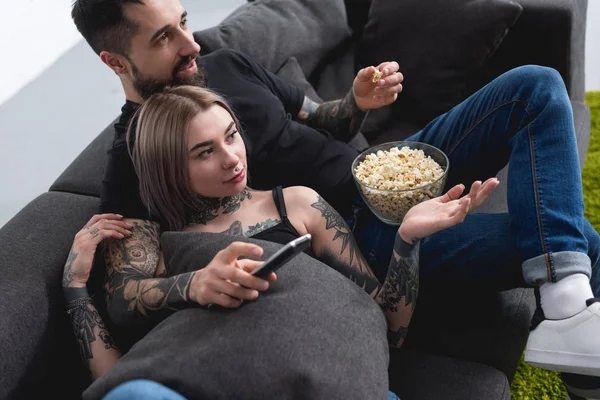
x: 525, y: 116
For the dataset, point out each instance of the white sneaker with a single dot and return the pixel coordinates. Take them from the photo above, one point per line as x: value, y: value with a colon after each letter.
x: 568, y: 345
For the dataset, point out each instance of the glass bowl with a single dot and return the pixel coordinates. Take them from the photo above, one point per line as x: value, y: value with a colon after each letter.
x: 390, y: 206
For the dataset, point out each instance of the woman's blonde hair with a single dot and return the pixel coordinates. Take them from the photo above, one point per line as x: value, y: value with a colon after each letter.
x: 160, y: 154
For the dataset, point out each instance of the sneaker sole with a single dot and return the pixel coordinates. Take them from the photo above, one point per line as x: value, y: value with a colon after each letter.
x: 583, y: 364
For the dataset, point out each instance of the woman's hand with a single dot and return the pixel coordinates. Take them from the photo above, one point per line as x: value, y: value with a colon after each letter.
x: 79, y: 263
x: 227, y: 281
x: 442, y: 212
x: 369, y: 95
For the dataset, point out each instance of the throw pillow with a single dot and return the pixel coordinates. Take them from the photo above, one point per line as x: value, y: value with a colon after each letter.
x: 313, y: 335
x: 272, y: 31
x: 439, y: 44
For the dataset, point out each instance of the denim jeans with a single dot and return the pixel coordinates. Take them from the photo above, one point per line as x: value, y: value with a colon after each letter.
x: 143, y: 389
x: 525, y: 117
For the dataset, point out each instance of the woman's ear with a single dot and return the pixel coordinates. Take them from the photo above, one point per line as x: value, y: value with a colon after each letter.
x: 116, y: 62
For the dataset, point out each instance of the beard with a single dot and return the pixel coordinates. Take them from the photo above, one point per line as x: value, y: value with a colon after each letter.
x: 146, y: 87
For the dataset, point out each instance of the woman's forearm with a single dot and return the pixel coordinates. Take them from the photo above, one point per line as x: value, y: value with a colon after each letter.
x: 96, y: 346
x: 398, y: 294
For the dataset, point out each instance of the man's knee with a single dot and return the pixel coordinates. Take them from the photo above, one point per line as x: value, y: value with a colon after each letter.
x: 536, y: 85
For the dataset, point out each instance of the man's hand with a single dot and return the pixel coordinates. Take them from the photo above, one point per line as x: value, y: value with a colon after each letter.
x: 227, y: 281
x: 369, y: 95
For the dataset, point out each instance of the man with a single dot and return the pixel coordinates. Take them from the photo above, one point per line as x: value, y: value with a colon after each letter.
x: 523, y: 116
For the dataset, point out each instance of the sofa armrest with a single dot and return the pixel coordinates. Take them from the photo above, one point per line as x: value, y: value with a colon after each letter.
x: 549, y: 33
x: 39, y: 352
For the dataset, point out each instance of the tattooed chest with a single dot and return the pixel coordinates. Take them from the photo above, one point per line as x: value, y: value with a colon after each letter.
x: 238, y: 228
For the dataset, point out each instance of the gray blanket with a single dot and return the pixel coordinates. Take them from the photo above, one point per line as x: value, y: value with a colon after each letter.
x: 314, y: 335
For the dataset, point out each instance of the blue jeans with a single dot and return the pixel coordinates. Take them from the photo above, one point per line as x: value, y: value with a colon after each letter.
x: 142, y: 389
x: 525, y: 117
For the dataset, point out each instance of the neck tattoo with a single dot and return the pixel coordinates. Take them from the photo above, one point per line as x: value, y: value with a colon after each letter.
x: 210, y: 208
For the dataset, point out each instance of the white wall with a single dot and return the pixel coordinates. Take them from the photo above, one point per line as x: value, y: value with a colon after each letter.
x: 35, y: 33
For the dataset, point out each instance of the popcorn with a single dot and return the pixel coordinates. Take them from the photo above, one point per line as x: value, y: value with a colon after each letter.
x: 376, y: 76
x: 398, y: 169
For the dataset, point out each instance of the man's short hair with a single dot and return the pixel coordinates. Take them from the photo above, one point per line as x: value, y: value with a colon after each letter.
x: 104, y: 25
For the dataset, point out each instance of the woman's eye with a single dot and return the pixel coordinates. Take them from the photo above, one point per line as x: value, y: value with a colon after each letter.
x: 205, y: 153
x: 184, y: 22
x: 163, y: 37
x: 232, y: 135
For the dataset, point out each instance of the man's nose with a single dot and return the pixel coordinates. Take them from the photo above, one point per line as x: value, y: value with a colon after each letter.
x: 189, y: 47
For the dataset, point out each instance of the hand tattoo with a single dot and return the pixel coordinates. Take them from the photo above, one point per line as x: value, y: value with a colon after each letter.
x: 68, y: 272
x: 211, y: 208
x: 94, y: 231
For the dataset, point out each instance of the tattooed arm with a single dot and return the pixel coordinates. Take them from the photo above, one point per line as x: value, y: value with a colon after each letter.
x: 96, y: 346
x: 398, y: 295
x: 334, y: 244
x: 135, y: 291
x: 341, y: 118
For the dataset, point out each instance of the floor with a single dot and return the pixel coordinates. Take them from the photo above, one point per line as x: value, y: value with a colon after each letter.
x: 56, y: 96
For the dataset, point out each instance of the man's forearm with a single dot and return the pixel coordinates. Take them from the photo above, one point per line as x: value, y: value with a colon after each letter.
x: 341, y: 118
x: 398, y: 294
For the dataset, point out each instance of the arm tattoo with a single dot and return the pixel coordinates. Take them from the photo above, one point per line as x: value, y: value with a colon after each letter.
x: 333, y: 220
x: 132, y: 292
x: 368, y: 283
x: 68, y: 272
x: 85, y: 320
x: 398, y: 295
x: 341, y: 118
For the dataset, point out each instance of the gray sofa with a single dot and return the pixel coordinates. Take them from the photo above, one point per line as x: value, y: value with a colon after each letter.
x: 473, y: 355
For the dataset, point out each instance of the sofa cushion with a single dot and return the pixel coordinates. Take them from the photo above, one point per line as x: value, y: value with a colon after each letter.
x: 313, y: 335
x: 439, y: 44
x: 418, y: 376
x: 84, y: 174
x: 272, y: 31
x: 291, y: 72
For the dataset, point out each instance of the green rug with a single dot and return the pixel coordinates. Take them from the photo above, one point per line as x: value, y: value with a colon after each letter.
x: 532, y: 383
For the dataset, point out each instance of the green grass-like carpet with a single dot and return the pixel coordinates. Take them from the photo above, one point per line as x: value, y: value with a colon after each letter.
x: 532, y: 383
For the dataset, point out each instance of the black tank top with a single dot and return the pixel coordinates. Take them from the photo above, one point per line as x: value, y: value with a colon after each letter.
x: 284, y: 231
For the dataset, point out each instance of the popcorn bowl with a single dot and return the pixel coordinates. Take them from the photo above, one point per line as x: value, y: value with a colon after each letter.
x: 391, y: 205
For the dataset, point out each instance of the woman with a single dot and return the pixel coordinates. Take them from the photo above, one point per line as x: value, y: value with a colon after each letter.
x: 191, y: 163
